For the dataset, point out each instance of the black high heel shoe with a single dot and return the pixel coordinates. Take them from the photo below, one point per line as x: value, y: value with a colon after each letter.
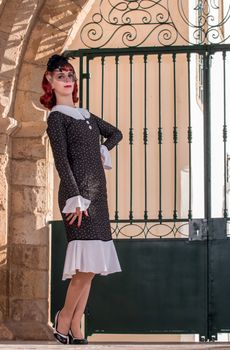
x: 74, y: 340
x: 61, y: 338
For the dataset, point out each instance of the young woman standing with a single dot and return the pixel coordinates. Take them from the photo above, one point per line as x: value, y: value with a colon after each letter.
x: 80, y: 160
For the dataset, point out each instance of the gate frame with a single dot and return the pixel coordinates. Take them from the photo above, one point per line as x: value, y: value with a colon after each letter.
x: 219, y: 231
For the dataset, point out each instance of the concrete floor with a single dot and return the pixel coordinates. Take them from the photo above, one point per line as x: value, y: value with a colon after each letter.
x: 112, y: 346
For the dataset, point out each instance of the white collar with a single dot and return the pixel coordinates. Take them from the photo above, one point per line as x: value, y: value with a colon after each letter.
x: 76, y: 113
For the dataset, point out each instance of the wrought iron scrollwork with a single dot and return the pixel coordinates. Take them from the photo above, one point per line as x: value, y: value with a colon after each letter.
x: 133, y: 23
x: 147, y: 230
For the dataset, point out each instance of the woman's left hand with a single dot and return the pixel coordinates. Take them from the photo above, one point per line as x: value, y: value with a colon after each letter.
x: 71, y: 217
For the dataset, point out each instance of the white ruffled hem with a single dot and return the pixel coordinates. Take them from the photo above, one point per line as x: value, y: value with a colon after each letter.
x: 107, y: 164
x: 74, y: 202
x: 99, y: 257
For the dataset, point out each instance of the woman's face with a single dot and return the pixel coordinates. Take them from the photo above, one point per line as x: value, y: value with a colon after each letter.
x: 62, y: 81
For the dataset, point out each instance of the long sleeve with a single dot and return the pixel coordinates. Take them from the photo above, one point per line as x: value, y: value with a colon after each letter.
x: 112, y: 134
x: 74, y: 202
x: 107, y: 163
x: 57, y: 134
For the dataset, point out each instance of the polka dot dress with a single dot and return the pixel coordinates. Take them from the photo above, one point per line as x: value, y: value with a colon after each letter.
x: 76, y: 149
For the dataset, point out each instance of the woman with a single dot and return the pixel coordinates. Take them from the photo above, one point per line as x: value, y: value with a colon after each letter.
x: 80, y: 160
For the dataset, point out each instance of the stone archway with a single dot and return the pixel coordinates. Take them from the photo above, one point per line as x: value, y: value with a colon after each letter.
x: 30, y: 32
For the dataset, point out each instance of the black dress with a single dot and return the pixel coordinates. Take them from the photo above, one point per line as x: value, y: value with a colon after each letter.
x: 74, y: 135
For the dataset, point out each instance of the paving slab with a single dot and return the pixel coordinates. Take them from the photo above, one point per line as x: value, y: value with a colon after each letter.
x: 112, y: 346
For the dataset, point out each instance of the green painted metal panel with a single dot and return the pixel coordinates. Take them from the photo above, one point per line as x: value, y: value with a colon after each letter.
x: 220, y: 285
x: 162, y: 289
x: 58, y: 248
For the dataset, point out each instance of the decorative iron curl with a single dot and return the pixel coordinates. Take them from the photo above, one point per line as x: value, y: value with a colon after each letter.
x: 206, y: 21
x: 167, y: 35
x: 95, y: 33
x: 126, y: 18
x: 182, y: 234
x: 163, y: 225
x: 129, y: 35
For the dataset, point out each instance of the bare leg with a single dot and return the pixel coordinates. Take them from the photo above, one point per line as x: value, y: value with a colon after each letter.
x: 77, y: 285
x: 80, y: 308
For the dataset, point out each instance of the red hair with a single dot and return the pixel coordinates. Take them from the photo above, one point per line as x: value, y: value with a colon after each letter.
x: 49, y: 99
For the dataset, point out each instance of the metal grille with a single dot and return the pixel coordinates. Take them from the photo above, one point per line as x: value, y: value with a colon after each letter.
x: 134, y: 23
x: 167, y: 140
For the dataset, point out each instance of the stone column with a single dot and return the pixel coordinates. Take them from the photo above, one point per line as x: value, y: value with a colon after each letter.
x: 30, y: 32
x: 29, y: 234
x: 7, y: 125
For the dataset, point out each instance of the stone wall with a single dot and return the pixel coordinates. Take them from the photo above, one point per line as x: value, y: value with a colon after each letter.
x: 30, y: 31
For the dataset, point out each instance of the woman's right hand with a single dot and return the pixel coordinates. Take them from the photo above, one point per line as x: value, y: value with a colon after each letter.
x: 71, y: 217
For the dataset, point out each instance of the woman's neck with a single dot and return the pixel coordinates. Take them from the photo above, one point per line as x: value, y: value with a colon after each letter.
x: 65, y: 101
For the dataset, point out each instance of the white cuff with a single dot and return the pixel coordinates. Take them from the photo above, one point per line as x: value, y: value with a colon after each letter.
x: 107, y: 164
x: 74, y: 202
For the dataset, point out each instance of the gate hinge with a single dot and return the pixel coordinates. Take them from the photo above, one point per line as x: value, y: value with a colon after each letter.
x: 203, y: 229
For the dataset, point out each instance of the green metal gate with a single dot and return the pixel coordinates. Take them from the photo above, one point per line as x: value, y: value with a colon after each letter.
x: 175, y: 268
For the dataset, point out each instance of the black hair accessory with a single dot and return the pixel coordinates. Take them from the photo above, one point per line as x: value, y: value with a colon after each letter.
x: 56, y: 62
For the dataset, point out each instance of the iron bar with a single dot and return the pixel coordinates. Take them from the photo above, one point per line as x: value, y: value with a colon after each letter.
x: 131, y: 138
x: 160, y: 140
x: 102, y: 89
x: 145, y: 138
x: 207, y: 176
x: 200, y: 49
x: 81, y: 81
x: 175, y: 137
x: 149, y: 220
x: 228, y: 165
x: 87, y: 83
x: 102, y: 85
x: 189, y: 139
x: 117, y: 111
x: 225, y: 137
x: 207, y: 137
